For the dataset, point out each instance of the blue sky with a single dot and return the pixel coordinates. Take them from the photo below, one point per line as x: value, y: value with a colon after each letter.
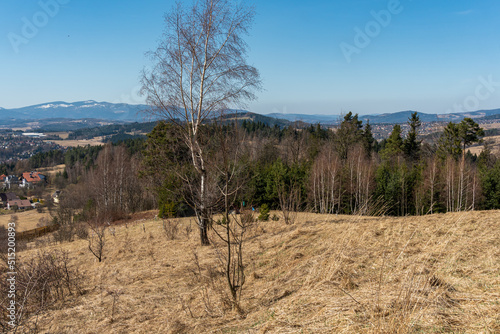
x: 315, y: 57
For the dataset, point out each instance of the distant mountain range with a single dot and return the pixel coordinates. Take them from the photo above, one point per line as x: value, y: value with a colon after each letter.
x: 121, y: 112
x: 397, y: 117
x: 75, y: 110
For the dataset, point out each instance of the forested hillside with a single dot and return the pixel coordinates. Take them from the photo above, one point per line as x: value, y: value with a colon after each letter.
x: 346, y: 171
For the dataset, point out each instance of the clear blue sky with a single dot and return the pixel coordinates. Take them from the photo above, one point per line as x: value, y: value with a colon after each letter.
x: 429, y: 56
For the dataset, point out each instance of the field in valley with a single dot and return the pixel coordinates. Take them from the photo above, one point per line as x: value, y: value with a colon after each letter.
x: 26, y: 220
x: 494, y: 145
x: 323, y: 274
x: 61, y: 134
x: 51, y: 171
x: 81, y: 142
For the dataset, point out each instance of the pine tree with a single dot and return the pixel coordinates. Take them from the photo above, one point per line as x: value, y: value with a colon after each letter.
x: 394, y: 145
x: 368, y: 140
x: 411, y: 145
x: 349, y: 133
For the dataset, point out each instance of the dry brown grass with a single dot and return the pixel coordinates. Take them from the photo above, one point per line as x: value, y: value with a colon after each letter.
x: 27, y: 220
x: 82, y: 142
x: 51, y: 171
x: 488, y: 126
x: 494, y: 145
x: 61, y: 134
x: 324, y: 274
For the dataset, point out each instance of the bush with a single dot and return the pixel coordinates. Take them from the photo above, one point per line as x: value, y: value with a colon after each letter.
x: 64, y: 233
x: 264, y: 212
x: 41, y: 282
x: 171, y: 229
x: 167, y: 210
x: 82, y: 231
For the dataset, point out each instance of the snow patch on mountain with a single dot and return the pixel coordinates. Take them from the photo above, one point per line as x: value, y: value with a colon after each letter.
x: 50, y: 105
x: 92, y: 105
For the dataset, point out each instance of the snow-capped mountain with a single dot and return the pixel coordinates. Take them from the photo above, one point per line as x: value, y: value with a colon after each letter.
x: 77, y: 110
x: 123, y: 112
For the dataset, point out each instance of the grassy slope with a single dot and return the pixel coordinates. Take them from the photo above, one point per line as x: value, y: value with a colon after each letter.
x: 324, y: 274
x: 27, y: 220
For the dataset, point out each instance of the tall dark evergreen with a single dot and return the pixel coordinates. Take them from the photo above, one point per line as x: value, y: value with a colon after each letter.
x: 449, y: 142
x: 349, y: 133
x: 469, y: 133
x: 368, y: 140
x: 394, y: 145
x: 411, y: 145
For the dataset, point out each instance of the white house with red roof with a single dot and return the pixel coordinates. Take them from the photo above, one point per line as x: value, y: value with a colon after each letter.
x: 30, y: 179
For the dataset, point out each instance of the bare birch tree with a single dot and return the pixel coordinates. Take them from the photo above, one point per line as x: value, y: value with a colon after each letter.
x: 200, y: 69
x: 325, y: 181
x: 430, y: 181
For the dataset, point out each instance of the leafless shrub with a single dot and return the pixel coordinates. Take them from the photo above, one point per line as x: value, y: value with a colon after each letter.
x: 230, y: 254
x: 97, y: 238
x: 41, y: 282
x: 289, y: 200
x: 43, y: 241
x: 188, y: 229
x: 247, y: 219
x: 115, y: 294
x: 82, y: 231
x: 171, y: 228
x: 64, y: 233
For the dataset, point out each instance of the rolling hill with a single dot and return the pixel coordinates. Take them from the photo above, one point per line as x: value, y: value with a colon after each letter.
x: 389, y: 118
x: 323, y: 274
x: 75, y: 110
x: 121, y: 112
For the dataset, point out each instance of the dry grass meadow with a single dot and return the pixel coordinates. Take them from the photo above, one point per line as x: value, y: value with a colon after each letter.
x: 323, y: 274
x: 494, y: 145
x: 51, y: 171
x: 26, y: 220
x: 80, y: 142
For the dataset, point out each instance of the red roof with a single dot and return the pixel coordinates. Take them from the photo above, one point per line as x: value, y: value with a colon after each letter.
x: 31, y: 177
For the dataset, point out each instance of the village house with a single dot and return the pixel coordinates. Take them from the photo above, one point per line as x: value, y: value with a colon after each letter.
x: 6, y: 197
x: 11, y: 180
x: 20, y: 204
x: 55, y: 196
x: 30, y: 179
